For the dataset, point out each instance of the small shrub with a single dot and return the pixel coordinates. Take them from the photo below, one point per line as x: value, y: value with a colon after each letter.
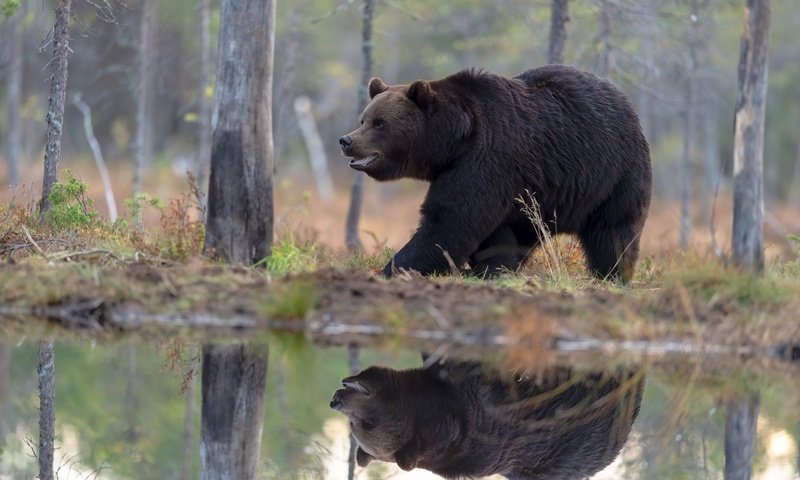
x: 70, y: 207
x: 290, y: 257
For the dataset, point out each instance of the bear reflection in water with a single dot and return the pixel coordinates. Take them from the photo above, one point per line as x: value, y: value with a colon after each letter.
x: 461, y: 419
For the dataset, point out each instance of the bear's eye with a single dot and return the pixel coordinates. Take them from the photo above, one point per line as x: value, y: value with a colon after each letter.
x: 379, y: 124
x: 368, y: 424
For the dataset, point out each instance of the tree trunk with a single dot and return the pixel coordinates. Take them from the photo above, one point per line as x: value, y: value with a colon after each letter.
x: 604, y: 37
x: 740, y: 437
x: 559, y: 16
x: 55, y: 108
x: 47, y: 410
x: 238, y: 230
x: 14, y: 98
x: 5, y: 387
x: 687, y: 164
x: 794, y: 188
x: 287, y: 78
x: 232, y: 412
x: 354, y: 364
x: 748, y: 152
x: 711, y: 164
x: 240, y: 210
x: 316, y: 151
x: 143, y: 151
x: 188, y: 419
x: 204, y: 105
x: 352, y: 238
x: 97, y: 153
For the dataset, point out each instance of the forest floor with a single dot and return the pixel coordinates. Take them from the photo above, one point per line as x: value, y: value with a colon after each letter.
x: 87, y: 279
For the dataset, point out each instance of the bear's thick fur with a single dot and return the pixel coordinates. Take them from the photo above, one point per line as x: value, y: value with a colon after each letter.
x: 465, y: 420
x: 569, y: 138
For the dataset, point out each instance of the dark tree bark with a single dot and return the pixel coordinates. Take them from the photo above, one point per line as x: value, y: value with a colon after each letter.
x: 204, y: 110
x: 740, y: 436
x: 143, y: 150
x: 748, y: 151
x: 14, y: 98
x: 55, y: 108
x: 47, y: 409
x: 352, y: 237
x: 559, y: 16
x: 232, y: 412
x: 239, y: 230
x: 689, y: 127
x: 240, y: 210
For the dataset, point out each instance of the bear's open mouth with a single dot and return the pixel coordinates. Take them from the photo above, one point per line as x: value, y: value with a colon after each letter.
x: 362, y: 163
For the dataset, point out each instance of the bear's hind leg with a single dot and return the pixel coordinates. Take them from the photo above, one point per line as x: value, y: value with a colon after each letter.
x: 500, y: 252
x: 611, y: 249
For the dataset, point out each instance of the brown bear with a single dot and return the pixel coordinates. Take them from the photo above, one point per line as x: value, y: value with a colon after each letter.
x: 566, y: 137
x: 462, y: 419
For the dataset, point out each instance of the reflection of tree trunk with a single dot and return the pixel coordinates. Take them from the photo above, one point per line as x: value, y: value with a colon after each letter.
x: 97, y: 153
x: 354, y: 363
x: 14, y: 97
x: 188, y: 418
x: 748, y: 150
x: 5, y: 385
x: 131, y: 396
x: 559, y: 16
x: 232, y: 412
x: 689, y: 131
x: 352, y: 239
x: 47, y: 410
x: 142, y: 121
x: 55, y: 109
x: 204, y: 110
x: 740, y: 436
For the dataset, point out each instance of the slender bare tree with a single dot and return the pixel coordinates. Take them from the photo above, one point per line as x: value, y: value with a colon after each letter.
x: 604, y: 61
x: 287, y: 79
x: 97, y: 154
x: 143, y: 152
x: 748, y: 151
x: 352, y: 237
x: 204, y: 110
x: 689, y: 125
x: 55, y: 109
x: 239, y: 230
x: 559, y: 16
x: 14, y: 141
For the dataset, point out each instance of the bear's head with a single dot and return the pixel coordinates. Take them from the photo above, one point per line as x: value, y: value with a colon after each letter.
x: 407, y: 131
x: 373, y: 402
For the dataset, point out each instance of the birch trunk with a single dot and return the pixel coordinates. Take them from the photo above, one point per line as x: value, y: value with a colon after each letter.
x: 748, y: 152
x: 47, y: 410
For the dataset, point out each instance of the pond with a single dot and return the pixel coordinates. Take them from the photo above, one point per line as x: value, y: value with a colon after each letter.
x: 130, y: 409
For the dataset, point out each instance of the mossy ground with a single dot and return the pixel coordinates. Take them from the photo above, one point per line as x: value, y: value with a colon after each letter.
x: 77, y: 265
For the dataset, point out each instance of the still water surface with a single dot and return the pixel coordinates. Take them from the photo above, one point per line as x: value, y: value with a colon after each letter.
x: 122, y: 414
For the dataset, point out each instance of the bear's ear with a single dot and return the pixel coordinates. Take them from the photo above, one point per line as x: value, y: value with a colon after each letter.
x: 420, y: 92
x: 363, y: 458
x: 376, y: 86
